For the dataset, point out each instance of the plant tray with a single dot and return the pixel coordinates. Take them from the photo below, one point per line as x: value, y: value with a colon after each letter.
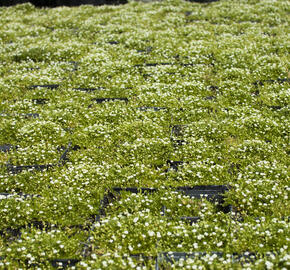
x: 18, y: 169
x: 30, y: 115
x: 202, y: 1
x: 156, y: 109
x: 64, y: 263
x: 147, y: 50
x: 25, y: 115
x: 213, y: 193
x: 49, y: 86
x: 63, y: 158
x: 195, y: 191
x: 113, y: 42
x: 213, y: 88
x: 88, y: 89
x: 210, y: 98
x: 101, y: 100
x: 6, y: 147
x: 72, y: 148
x: 75, y: 65
x: 177, y: 130
x: 39, y: 225
x: 190, y: 220
x: 174, y: 164
x: 40, y: 101
x: 177, y: 143
x: 9, y: 195
x: 135, y: 190
x: 171, y: 257
x: 154, y: 64
x: 16, y: 232
x: 164, y: 64
x: 262, y: 82
x: 275, y: 108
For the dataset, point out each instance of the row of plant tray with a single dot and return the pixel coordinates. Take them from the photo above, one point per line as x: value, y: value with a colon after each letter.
x: 168, y: 257
x: 256, y: 83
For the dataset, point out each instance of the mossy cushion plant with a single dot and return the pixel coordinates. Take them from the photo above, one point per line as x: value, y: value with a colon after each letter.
x: 97, y: 101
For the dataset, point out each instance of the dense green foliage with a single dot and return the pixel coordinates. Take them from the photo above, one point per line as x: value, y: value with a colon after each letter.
x: 207, y: 84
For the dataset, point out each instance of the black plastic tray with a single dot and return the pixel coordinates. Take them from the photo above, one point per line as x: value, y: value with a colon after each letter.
x: 113, y: 42
x: 176, y: 130
x: 147, y: 50
x: 202, y: 1
x: 164, y: 64
x: 25, y: 115
x: 19, y: 195
x: 190, y: 220
x: 275, y: 108
x: 177, y: 143
x: 210, y: 98
x: 49, y: 86
x: 171, y: 257
x: 214, y: 192
x: 101, y: 100
x: 88, y: 89
x: 57, y: 3
x: 64, y: 263
x: 262, y: 82
x: 40, y: 101
x: 135, y: 190
x: 7, y: 147
x: 18, y: 169
x: 195, y: 191
x: 174, y: 164
x: 154, y: 64
x: 30, y: 115
x: 156, y: 109
x: 40, y: 225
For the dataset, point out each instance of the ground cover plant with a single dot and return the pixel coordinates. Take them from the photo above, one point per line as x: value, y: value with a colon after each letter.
x: 145, y: 136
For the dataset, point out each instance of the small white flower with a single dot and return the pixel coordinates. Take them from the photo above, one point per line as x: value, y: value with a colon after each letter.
x: 94, y: 256
x: 269, y: 265
x: 151, y: 233
x: 219, y: 244
x: 135, y: 219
